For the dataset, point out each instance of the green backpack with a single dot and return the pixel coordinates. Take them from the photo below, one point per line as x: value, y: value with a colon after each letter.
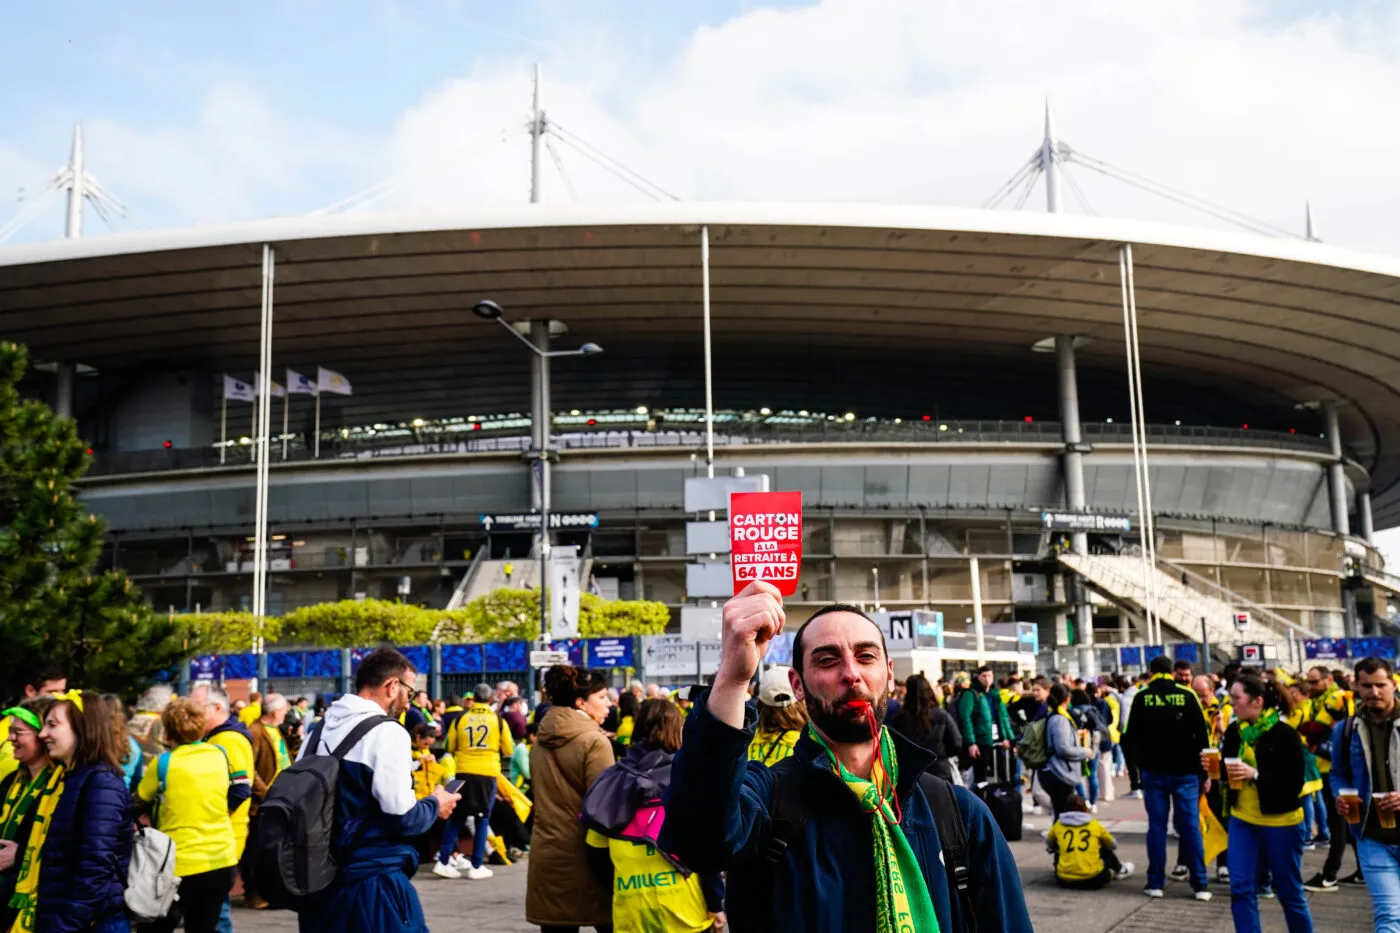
x: 1032, y: 747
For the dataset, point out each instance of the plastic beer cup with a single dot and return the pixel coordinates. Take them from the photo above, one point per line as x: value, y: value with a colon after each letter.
x: 1386, y: 817
x: 1235, y: 783
x: 1212, y: 757
x: 1351, y: 798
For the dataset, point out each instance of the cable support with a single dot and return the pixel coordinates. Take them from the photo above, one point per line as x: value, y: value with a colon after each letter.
x: 1029, y: 187
x: 573, y: 139
x: 559, y: 164
x: 1012, y: 183
x: 25, y: 214
x: 1077, y: 191
x: 1218, y: 211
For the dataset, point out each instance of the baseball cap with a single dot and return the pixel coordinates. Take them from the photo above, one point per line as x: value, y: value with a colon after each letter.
x: 774, y: 689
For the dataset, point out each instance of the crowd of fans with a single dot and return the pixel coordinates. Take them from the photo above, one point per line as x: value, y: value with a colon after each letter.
x: 647, y: 810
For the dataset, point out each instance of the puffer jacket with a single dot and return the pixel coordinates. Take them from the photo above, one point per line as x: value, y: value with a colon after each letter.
x: 82, y: 875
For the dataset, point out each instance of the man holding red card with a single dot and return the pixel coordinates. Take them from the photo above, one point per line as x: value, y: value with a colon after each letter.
x: 852, y: 832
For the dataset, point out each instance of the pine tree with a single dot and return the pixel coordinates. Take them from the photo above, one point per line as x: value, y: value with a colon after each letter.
x: 55, y: 608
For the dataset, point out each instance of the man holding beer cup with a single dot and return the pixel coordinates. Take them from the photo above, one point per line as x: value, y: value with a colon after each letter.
x: 1365, y: 778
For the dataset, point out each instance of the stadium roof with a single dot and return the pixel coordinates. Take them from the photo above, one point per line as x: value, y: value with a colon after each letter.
x: 871, y: 309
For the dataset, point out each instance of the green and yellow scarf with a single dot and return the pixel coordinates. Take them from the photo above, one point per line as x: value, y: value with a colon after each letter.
x: 26, y: 896
x: 19, y: 800
x: 902, y: 901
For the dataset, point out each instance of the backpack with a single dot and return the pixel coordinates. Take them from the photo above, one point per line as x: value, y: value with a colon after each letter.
x: 292, y: 854
x: 1032, y: 746
x: 150, y: 878
x: 790, y: 808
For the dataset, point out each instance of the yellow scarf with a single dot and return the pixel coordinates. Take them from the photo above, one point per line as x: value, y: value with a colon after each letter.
x: 26, y: 896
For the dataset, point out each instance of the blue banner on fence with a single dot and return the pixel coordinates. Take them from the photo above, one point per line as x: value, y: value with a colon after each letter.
x: 610, y: 652
x: 574, y: 647
x: 322, y: 663
x: 206, y: 667
x: 507, y: 655
x: 1371, y: 647
x: 285, y: 663
x: 356, y: 656
x: 461, y: 659
x: 1130, y: 657
x: 240, y: 666
x: 1187, y: 651
x: 421, y: 656
x: 1152, y: 651
x: 1325, y: 649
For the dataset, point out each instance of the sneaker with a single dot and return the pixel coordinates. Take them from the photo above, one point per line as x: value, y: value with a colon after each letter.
x: 479, y: 874
x: 1038, y: 810
x: 1093, y: 808
x: 1354, y: 878
x: 1267, y: 891
x: 1180, y: 873
x: 1202, y: 895
x: 1309, y: 846
x: 459, y: 861
x: 1126, y: 871
x: 444, y: 870
x: 1133, y: 795
x: 1320, y: 885
x: 1222, y: 875
x: 1154, y: 892
x: 255, y: 903
x: 515, y: 853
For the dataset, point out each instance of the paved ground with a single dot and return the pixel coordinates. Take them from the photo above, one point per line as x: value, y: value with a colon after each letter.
x: 497, y: 905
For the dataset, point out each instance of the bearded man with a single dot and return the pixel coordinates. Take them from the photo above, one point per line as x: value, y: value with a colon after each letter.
x: 844, y: 835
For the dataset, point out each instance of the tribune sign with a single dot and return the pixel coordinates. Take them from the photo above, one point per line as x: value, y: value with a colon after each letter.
x: 765, y: 533
x: 1085, y: 521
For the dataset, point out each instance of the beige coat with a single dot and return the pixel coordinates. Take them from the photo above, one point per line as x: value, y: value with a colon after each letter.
x: 569, y: 754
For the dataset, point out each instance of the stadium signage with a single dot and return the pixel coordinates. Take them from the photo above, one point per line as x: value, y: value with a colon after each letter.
x: 530, y: 521
x: 765, y: 534
x: 1085, y: 521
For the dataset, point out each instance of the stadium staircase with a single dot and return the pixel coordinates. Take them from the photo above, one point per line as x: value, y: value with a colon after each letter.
x: 487, y: 576
x: 1180, y: 607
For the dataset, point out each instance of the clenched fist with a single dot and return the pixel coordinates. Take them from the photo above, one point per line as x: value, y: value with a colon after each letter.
x: 752, y: 620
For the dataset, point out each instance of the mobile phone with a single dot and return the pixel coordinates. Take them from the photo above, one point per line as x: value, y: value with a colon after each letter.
x: 454, y: 786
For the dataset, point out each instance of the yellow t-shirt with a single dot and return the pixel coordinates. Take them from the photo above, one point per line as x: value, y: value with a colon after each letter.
x: 251, y: 714
x: 429, y: 773
x: 1246, y: 805
x: 7, y: 751
x: 240, y: 771
x: 772, y: 747
x: 648, y: 892
x: 193, y: 811
x: 478, y: 742
x: 1080, y: 849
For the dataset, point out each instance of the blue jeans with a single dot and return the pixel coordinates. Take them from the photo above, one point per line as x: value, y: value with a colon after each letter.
x: 1092, y: 779
x: 1311, y: 810
x: 1119, y: 761
x: 1162, y: 793
x: 452, y: 830
x: 1280, y: 850
x: 1381, y: 866
x: 1320, y: 809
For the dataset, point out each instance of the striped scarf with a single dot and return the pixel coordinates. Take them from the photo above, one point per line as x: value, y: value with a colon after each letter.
x: 902, y: 900
x: 19, y: 800
x: 26, y: 896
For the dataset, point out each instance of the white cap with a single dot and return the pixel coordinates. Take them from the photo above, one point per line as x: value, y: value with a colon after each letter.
x: 774, y: 688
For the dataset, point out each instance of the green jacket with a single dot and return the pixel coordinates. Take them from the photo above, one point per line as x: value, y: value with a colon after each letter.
x: 977, y: 710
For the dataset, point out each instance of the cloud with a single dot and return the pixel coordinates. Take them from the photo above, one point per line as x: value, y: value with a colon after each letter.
x: 909, y: 101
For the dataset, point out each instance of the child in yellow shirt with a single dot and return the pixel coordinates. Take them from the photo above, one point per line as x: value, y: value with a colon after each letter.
x: 1084, y: 851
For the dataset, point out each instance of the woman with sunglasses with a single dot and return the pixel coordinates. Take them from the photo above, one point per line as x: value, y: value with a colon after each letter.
x: 22, y: 792
x: 73, y: 874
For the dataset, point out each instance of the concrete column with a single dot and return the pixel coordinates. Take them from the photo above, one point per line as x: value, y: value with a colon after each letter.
x: 63, y: 395
x: 1073, y: 466
x: 1336, y: 478
x: 1363, y: 516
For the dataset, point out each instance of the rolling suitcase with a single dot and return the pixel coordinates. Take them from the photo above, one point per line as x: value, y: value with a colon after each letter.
x: 1002, y: 794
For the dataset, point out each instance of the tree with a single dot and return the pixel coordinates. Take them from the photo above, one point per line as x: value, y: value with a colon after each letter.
x: 54, y: 607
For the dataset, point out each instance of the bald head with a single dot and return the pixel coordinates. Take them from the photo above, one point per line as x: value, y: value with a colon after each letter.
x: 1202, y: 686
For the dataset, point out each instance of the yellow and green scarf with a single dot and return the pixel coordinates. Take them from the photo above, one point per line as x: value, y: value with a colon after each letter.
x: 19, y: 800
x: 902, y: 901
x: 26, y: 896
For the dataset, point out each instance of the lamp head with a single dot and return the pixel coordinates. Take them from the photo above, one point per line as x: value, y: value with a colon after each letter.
x: 487, y: 310
x: 589, y: 349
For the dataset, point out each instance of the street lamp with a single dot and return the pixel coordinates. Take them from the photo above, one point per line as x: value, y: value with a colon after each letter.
x: 538, y: 343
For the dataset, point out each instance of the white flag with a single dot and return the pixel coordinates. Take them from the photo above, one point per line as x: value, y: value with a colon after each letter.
x: 237, y: 389
x: 297, y: 384
x: 332, y: 382
x: 278, y: 390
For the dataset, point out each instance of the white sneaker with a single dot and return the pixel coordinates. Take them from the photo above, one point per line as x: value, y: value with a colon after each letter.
x: 443, y: 870
x: 1202, y: 895
x: 1154, y: 892
x: 1133, y: 795
x: 1027, y: 806
x: 1180, y: 873
x: 479, y: 874
x: 1038, y: 810
x: 1222, y: 875
x: 459, y: 861
x: 1093, y: 808
x: 1126, y: 871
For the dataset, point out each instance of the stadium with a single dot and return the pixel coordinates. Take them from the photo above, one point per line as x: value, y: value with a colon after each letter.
x: 888, y: 362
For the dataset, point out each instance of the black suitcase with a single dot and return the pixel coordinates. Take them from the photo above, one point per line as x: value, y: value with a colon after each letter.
x: 1003, y: 794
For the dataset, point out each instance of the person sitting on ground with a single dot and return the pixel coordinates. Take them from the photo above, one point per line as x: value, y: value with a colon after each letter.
x: 1083, y: 850
x: 922, y: 721
x: 780, y: 718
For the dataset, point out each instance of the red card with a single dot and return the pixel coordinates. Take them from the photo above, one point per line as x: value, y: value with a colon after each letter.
x: 765, y: 537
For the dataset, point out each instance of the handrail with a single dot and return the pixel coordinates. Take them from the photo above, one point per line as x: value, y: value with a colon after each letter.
x: 1239, y: 600
x: 458, y: 597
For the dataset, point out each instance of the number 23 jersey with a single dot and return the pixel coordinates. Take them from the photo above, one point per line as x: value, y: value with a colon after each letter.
x: 1078, y: 840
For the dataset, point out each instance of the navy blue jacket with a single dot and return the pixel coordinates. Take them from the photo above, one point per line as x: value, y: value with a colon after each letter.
x: 82, y: 875
x: 717, y: 819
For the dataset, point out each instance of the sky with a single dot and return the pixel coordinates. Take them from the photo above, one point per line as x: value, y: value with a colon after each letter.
x: 197, y: 114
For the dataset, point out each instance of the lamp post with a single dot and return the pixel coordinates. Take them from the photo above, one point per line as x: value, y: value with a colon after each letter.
x: 538, y: 343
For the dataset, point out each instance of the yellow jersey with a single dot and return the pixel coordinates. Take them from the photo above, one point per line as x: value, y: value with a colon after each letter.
x: 428, y: 774
x: 250, y: 714
x: 1078, y: 846
x: 478, y: 741
x: 7, y: 751
x: 1246, y: 806
x: 772, y: 747
x: 193, y: 810
x: 1329, y: 709
x: 240, y: 771
x: 649, y: 893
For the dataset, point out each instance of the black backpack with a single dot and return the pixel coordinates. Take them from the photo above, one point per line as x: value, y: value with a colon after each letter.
x: 292, y: 854
x: 791, y: 807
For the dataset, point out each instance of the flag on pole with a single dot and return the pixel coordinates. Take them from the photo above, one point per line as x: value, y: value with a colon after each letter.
x: 237, y: 389
x: 297, y: 384
x: 332, y: 382
x: 278, y: 390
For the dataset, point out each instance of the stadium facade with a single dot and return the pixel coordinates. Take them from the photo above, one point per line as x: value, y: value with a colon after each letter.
x: 881, y: 360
